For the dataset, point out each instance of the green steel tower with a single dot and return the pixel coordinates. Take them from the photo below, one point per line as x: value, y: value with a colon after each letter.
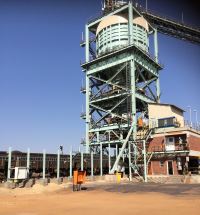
x: 121, y: 79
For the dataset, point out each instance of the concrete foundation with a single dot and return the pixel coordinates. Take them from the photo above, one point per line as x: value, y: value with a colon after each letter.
x: 44, y: 181
x: 10, y: 185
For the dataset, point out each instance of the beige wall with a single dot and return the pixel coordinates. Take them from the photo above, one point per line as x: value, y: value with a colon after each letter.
x: 162, y: 111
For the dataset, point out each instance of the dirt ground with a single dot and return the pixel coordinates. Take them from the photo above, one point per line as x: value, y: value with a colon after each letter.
x: 101, y: 198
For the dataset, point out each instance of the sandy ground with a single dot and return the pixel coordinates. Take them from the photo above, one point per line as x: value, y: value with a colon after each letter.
x: 101, y: 198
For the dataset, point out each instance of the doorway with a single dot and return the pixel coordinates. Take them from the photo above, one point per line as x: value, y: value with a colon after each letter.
x: 170, y: 167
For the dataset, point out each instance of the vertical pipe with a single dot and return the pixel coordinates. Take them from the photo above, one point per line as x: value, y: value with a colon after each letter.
x: 109, y: 163
x: 87, y: 44
x: 70, y: 163
x: 87, y: 58
x: 28, y: 162
x: 92, y: 164
x: 145, y: 161
x: 44, y: 164
x: 9, y: 162
x: 156, y: 58
x: 133, y: 99
x: 81, y: 160
x: 130, y: 23
x: 133, y: 114
x: 156, y: 45
x: 58, y: 165
x: 101, y: 160
x: 87, y: 113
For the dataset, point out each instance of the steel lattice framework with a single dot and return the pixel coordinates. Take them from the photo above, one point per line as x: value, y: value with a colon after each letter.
x: 119, y: 86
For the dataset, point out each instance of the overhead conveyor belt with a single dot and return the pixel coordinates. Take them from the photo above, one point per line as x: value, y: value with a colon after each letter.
x: 173, y: 28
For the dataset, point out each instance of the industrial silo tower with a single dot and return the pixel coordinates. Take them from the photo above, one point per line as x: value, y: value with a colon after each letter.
x: 121, y: 79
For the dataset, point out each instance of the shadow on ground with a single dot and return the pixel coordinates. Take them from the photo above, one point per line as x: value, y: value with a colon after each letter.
x: 169, y: 189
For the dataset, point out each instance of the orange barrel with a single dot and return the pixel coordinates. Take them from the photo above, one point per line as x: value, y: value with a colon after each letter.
x: 81, y: 177
x: 75, y: 177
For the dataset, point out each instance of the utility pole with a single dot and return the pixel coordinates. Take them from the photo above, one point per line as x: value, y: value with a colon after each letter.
x: 190, y: 112
x: 146, y: 5
x: 196, y: 118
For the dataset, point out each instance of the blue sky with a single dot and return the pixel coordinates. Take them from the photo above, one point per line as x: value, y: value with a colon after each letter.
x: 40, y: 74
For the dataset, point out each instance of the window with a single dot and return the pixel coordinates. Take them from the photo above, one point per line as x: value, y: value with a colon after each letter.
x: 170, y: 144
x: 171, y: 140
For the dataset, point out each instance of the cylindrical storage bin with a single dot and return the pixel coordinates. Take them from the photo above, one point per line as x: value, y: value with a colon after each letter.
x: 112, y: 34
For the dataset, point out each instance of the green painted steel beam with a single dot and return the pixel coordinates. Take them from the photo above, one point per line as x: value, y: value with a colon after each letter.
x: 156, y: 45
x: 143, y: 98
x: 147, y: 65
x: 110, y: 62
x: 110, y: 83
x: 108, y: 128
x: 122, y: 56
x: 108, y: 97
x: 123, y: 50
x: 109, y: 111
x: 143, y: 78
x: 96, y: 22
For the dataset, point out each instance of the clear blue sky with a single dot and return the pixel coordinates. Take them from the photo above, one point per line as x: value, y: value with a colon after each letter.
x: 40, y: 74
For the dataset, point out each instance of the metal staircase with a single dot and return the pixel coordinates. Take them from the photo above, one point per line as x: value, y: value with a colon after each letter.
x: 140, y: 156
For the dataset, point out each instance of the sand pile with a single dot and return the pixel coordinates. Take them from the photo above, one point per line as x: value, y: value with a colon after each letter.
x: 36, y: 189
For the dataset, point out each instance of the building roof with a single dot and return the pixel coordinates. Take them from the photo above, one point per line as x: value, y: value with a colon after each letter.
x: 165, y: 104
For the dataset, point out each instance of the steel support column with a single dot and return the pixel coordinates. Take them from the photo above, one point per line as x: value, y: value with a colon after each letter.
x: 156, y: 45
x: 133, y: 99
x: 28, y: 162
x: 130, y: 23
x: 9, y: 162
x: 87, y: 109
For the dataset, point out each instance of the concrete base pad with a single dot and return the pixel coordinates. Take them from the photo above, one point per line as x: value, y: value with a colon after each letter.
x: 44, y: 181
x: 10, y: 185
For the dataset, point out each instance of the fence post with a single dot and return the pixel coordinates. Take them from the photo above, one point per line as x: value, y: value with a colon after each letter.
x: 81, y: 160
x: 58, y: 165
x: 92, y: 164
x: 44, y: 164
x: 28, y: 162
x: 101, y: 160
x: 70, y: 163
